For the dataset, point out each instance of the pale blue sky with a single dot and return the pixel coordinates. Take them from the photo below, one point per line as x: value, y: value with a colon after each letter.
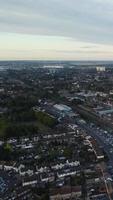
x: 56, y: 29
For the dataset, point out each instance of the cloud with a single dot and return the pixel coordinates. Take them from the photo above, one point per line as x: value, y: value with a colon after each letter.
x: 83, y: 20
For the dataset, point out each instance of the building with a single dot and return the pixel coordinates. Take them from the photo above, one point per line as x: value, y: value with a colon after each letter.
x: 100, y: 69
x: 66, y: 193
x: 62, y: 109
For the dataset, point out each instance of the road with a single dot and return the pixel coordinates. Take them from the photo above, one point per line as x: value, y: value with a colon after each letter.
x: 105, y: 140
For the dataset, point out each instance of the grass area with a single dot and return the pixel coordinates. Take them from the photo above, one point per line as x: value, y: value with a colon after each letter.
x: 42, y: 127
x: 45, y: 119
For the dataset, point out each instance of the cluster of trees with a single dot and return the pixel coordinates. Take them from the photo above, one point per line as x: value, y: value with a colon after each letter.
x: 20, y: 118
x: 20, y: 109
x: 23, y: 116
x: 16, y: 130
x: 9, y: 129
x: 22, y: 102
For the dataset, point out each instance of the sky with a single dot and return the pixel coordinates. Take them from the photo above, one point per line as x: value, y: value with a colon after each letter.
x: 56, y: 30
